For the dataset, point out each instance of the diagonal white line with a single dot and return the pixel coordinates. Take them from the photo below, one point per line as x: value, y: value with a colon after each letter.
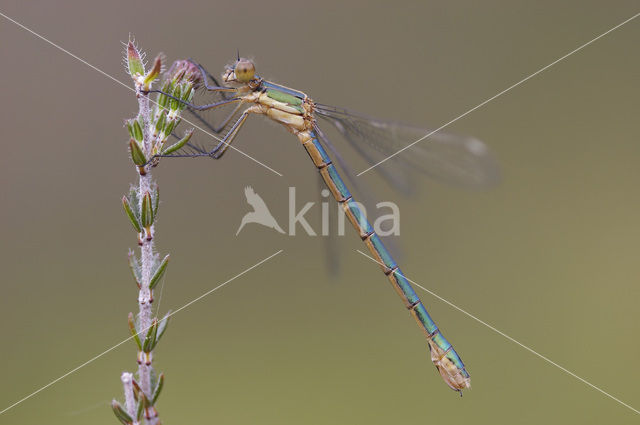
x: 501, y: 93
x: 531, y: 350
x: 141, y: 332
x: 131, y: 88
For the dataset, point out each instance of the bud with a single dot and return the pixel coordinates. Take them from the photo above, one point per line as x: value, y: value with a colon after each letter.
x: 185, y: 71
x: 155, y: 71
x: 134, y: 61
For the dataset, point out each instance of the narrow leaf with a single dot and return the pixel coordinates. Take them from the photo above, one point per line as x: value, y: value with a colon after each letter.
x: 147, y: 346
x: 136, y: 389
x: 162, y: 325
x: 177, y: 94
x: 162, y: 99
x: 130, y: 214
x: 179, y: 144
x: 129, y: 124
x: 135, y: 267
x: 155, y: 71
x: 188, y: 92
x: 146, y: 214
x: 158, y: 389
x: 134, y: 331
x: 154, y: 335
x: 136, y: 153
x: 160, y: 123
x: 157, y: 275
x: 121, y: 414
x: 156, y: 200
x: 170, y: 125
x: 139, y: 411
x: 144, y: 401
x: 138, y: 134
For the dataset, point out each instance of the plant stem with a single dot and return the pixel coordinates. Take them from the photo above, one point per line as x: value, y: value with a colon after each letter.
x: 146, y: 247
x: 149, y: 133
x: 129, y: 401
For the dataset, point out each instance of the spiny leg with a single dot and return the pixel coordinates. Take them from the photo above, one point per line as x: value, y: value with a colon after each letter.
x: 213, y: 128
x: 197, y: 107
x: 226, y: 141
x: 222, y: 146
x: 192, y: 107
x: 224, y: 92
x: 205, y: 75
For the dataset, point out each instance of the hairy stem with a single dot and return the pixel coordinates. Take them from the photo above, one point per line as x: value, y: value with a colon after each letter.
x: 129, y: 401
x: 146, y: 248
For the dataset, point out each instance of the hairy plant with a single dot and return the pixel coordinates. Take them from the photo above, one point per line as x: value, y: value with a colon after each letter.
x: 150, y: 132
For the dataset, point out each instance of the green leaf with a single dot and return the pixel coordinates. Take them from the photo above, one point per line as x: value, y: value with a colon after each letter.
x: 162, y: 325
x: 179, y: 144
x: 155, y: 71
x: 159, y: 272
x: 134, y: 60
x: 156, y: 200
x: 154, y: 335
x: 170, y: 125
x: 140, y: 411
x: 177, y: 93
x: 144, y: 400
x: 130, y: 128
x: 188, y: 94
x: 138, y: 134
x: 162, y: 99
x: 160, y: 123
x: 158, y: 389
x: 146, y: 214
x: 135, y: 268
x: 120, y: 413
x: 130, y: 214
x: 133, y: 199
x: 136, y: 389
x: 134, y: 331
x: 137, y: 156
x: 149, y: 339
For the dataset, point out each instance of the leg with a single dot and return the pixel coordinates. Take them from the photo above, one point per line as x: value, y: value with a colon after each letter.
x: 221, y: 147
x: 217, y: 129
x: 226, y: 141
x: 206, y: 75
x: 197, y: 107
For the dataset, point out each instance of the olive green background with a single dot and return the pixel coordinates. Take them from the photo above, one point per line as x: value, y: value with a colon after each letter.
x: 550, y: 256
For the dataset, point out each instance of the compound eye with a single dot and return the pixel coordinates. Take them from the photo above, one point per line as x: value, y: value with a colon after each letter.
x: 245, y: 71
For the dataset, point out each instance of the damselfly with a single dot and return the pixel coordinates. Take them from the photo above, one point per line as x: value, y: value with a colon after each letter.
x: 450, y: 158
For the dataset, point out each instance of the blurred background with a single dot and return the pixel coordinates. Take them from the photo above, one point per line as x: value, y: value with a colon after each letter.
x: 550, y: 256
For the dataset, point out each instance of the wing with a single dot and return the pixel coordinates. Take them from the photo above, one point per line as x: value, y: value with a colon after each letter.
x: 452, y: 159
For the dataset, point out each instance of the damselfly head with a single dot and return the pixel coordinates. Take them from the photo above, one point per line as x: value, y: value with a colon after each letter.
x: 243, y: 71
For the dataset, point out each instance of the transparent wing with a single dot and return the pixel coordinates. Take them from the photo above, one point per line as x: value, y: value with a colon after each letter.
x: 452, y: 159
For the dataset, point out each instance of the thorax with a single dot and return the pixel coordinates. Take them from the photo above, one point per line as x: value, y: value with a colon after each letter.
x: 292, y: 108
